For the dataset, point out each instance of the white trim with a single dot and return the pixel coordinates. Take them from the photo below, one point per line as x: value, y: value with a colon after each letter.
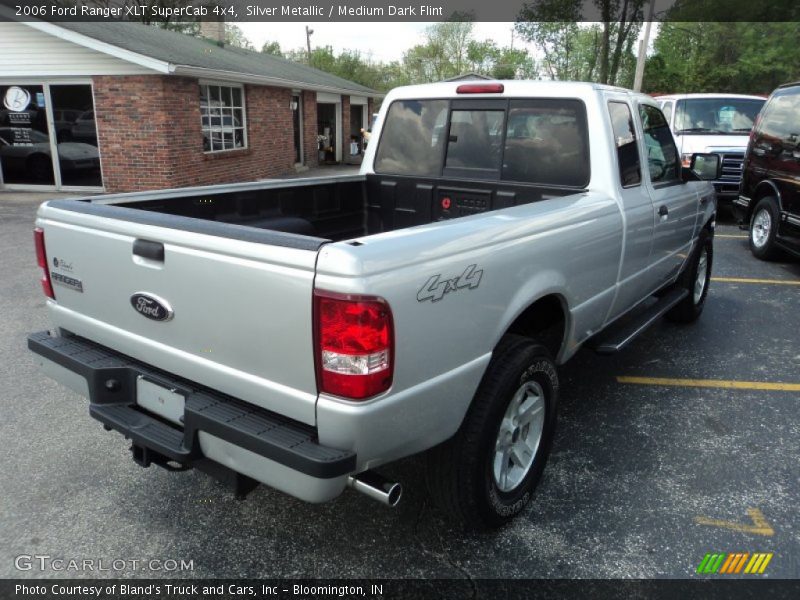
x: 55, y: 159
x: 93, y: 44
x: 161, y: 66
x: 339, y: 132
x: 201, y: 73
x: 300, y: 117
x: 358, y: 100
x: 325, y: 98
x: 80, y: 80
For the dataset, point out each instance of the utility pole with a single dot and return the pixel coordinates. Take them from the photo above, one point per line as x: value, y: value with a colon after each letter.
x: 637, y: 80
x: 308, y: 42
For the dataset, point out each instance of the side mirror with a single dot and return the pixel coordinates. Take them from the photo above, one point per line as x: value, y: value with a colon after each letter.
x: 704, y: 167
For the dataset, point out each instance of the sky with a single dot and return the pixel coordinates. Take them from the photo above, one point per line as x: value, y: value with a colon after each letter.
x: 382, y: 42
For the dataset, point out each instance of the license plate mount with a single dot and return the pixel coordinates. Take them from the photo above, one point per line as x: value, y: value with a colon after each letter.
x: 161, y: 400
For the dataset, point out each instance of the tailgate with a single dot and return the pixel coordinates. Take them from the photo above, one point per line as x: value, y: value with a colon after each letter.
x: 241, y: 308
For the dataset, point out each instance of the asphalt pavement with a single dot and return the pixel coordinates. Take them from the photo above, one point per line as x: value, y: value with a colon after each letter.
x: 648, y: 474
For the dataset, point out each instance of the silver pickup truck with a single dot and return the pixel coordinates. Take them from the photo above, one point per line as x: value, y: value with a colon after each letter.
x: 302, y: 333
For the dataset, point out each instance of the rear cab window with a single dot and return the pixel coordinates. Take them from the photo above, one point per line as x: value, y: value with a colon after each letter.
x: 536, y: 141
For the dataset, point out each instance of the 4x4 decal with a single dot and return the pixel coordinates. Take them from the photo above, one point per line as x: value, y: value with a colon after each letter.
x: 436, y: 288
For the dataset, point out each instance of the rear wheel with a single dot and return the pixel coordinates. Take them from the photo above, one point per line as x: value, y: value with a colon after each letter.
x: 485, y: 475
x: 695, y: 279
x: 764, y: 228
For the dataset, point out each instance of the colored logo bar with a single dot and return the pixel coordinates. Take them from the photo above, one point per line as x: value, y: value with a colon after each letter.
x: 733, y: 563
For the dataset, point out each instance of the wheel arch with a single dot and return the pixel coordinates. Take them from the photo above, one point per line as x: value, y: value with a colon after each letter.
x: 763, y: 190
x: 546, y: 320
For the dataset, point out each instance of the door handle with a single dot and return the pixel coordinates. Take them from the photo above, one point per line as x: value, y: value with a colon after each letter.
x: 148, y: 249
x: 663, y: 211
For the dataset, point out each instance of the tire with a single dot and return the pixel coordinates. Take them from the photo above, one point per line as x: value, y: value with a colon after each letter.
x: 696, y: 279
x: 764, y: 229
x: 465, y: 474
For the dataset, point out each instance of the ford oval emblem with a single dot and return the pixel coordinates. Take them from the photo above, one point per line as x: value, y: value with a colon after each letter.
x: 151, y: 306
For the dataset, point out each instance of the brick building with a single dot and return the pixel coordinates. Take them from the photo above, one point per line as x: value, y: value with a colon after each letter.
x: 125, y: 107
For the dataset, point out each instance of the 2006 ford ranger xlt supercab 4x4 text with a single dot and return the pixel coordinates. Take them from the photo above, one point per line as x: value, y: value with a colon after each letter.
x: 301, y: 333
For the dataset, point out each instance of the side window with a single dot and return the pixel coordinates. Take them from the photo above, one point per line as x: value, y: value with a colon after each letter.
x: 780, y: 119
x: 547, y: 143
x: 662, y: 155
x: 630, y: 171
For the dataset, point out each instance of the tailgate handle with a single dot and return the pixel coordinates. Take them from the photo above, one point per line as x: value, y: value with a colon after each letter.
x: 148, y: 249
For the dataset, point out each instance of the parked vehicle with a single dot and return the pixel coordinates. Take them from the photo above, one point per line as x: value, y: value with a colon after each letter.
x: 302, y: 333
x: 719, y: 123
x: 63, y: 120
x: 769, y: 202
x: 84, y: 128
x: 28, y: 151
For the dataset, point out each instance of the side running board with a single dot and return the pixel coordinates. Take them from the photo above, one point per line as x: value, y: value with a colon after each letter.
x: 617, y: 338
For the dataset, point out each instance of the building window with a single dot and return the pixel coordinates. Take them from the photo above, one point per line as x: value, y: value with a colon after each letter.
x: 222, y: 116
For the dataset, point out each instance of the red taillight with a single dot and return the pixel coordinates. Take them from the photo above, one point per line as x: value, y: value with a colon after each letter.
x: 41, y: 258
x: 354, y: 345
x: 480, y: 88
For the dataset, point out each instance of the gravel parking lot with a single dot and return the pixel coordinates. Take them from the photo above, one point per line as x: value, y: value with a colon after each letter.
x: 647, y: 475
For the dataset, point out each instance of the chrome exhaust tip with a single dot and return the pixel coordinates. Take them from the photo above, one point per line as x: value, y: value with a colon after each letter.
x: 376, y: 487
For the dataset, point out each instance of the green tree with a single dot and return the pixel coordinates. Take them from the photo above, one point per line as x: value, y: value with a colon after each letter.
x: 234, y: 36
x: 723, y: 57
x: 601, y: 52
x: 273, y: 48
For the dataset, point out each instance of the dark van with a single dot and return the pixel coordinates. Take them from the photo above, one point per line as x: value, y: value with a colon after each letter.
x: 769, y: 196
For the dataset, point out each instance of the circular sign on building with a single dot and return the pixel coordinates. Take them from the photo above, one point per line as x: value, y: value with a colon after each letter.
x: 16, y: 99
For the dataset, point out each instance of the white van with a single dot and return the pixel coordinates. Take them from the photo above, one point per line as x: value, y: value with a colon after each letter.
x: 718, y: 123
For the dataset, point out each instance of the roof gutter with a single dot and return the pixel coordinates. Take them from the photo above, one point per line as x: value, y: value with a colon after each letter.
x: 203, y: 73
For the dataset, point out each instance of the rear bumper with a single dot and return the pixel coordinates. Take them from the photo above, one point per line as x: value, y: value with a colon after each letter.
x: 247, y: 439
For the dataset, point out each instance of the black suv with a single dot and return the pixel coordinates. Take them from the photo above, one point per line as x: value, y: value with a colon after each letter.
x: 769, y: 196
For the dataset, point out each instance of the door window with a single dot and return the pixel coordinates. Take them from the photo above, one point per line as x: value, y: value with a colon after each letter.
x: 662, y: 155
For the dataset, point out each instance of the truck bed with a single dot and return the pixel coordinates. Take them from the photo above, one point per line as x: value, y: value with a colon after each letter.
x: 330, y: 208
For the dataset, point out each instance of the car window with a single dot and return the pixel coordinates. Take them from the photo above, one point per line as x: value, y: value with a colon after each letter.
x: 547, y: 143
x: 630, y: 172
x: 723, y: 115
x: 411, y: 142
x: 666, y: 108
x: 781, y: 118
x: 662, y: 155
x: 475, y: 139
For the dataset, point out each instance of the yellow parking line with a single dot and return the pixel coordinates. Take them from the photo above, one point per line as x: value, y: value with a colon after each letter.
x: 723, y: 235
x: 712, y: 383
x: 745, y: 280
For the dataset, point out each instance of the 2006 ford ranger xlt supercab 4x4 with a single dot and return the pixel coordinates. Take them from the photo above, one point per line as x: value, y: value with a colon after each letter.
x: 301, y: 333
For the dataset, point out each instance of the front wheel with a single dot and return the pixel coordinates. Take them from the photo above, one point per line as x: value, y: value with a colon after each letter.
x: 695, y: 279
x: 764, y: 228
x: 485, y: 475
